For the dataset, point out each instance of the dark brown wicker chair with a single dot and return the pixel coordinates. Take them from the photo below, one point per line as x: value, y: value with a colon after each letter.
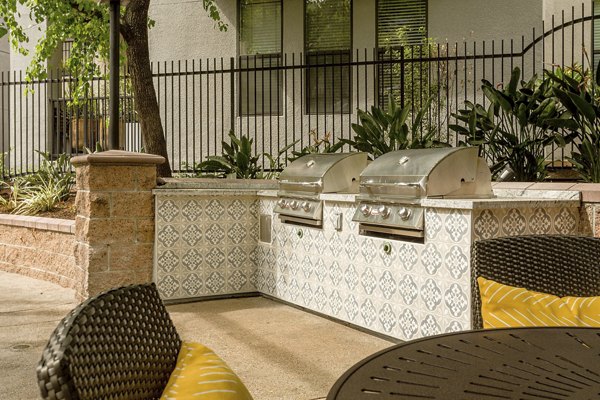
x: 120, y: 344
x: 559, y: 265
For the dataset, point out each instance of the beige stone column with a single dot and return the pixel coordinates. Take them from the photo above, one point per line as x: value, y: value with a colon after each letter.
x: 114, y: 228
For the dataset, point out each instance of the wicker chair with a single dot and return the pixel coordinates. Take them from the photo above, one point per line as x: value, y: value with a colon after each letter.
x: 120, y: 344
x: 559, y: 265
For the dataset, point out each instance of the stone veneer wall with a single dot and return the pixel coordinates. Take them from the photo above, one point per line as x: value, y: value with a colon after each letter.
x: 115, y: 218
x: 40, y: 248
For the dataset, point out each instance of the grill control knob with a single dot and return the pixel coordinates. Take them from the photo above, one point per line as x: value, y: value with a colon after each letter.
x: 366, y: 210
x: 306, y: 206
x: 404, y: 213
x: 282, y: 203
x: 384, y: 212
x: 294, y: 205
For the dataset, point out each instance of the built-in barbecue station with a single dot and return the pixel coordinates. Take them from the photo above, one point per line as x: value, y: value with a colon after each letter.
x: 301, y: 183
x: 392, y: 187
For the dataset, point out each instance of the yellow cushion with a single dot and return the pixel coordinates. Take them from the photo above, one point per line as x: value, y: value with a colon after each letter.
x: 201, y: 374
x: 505, y: 306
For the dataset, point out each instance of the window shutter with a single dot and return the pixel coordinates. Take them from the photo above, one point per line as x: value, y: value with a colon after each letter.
x: 401, y: 22
x: 596, y: 58
x: 260, y: 27
x: 328, y: 25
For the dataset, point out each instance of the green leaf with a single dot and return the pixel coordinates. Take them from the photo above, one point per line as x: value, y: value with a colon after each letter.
x: 584, y: 107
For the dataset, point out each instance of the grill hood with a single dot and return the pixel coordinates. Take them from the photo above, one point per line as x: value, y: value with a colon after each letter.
x: 438, y: 172
x: 323, y: 173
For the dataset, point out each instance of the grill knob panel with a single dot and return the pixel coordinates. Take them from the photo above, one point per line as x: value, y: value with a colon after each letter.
x: 306, y: 206
x: 404, y: 213
x: 365, y: 210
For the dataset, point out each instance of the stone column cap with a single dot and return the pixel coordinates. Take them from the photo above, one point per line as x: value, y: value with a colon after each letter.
x: 118, y: 157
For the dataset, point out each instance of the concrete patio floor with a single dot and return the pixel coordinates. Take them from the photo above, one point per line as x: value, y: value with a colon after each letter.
x: 280, y: 352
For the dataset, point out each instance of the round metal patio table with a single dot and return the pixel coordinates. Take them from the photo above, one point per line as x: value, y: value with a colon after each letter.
x: 520, y: 363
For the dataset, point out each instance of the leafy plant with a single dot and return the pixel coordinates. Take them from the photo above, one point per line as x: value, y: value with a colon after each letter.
x: 579, y: 93
x: 41, y: 191
x: 315, y: 146
x: 237, y: 158
x: 515, y: 128
x: 382, y: 131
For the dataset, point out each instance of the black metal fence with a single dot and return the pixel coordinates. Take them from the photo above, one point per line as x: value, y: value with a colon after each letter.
x: 282, y: 99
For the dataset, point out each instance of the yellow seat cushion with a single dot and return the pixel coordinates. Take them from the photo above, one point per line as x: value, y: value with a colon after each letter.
x: 505, y: 306
x: 201, y: 374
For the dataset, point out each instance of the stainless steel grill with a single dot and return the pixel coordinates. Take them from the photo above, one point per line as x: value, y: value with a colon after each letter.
x: 301, y: 183
x: 392, y: 187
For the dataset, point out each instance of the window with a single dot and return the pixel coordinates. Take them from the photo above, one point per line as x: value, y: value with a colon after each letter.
x: 260, y: 53
x: 399, y: 23
x: 328, y: 44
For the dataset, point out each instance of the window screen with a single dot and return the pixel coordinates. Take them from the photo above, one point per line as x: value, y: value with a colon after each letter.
x: 401, y: 22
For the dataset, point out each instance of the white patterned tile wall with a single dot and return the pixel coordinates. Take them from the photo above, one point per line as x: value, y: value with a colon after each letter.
x: 205, y: 245
x: 414, y: 290
x: 208, y: 245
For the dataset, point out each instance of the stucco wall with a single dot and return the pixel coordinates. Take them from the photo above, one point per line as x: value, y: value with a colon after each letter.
x: 40, y: 248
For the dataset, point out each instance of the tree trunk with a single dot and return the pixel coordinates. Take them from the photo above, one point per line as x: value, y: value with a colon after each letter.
x: 134, y: 29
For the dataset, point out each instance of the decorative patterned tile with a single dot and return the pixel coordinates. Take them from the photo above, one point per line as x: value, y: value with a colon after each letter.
x: 335, y: 274
x: 307, y: 267
x: 237, y: 233
x: 387, y: 318
x: 168, y: 236
x: 431, y: 294
x: 167, y: 261
x: 215, y: 258
x: 351, y: 307
x: 237, y: 280
x: 351, y: 247
x: 431, y: 258
x: 387, y: 285
x: 237, y: 257
x: 408, y: 324
x: 191, y: 210
x: 408, y: 290
x: 192, y: 285
x: 457, y: 226
x: 430, y: 326
x: 320, y: 270
x: 167, y: 211
x: 456, y: 301
x: 456, y: 262
x: 307, y: 295
x: 335, y: 303
x: 192, y: 260
x: 454, y: 326
x: 215, y: 282
x: 236, y: 209
x: 433, y: 223
x: 215, y: 210
x: 368, y: 312
x: 351, y: 277
x: 408, y: 256
x: 191, y: 235
x: 368, y: 250
x: 514, y: 223
x: 320, y: 298
x: 368, y: 281
x: 168, y: 286
x: 566, y: 221
x: 486, y: 225
x: 539, y: 222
